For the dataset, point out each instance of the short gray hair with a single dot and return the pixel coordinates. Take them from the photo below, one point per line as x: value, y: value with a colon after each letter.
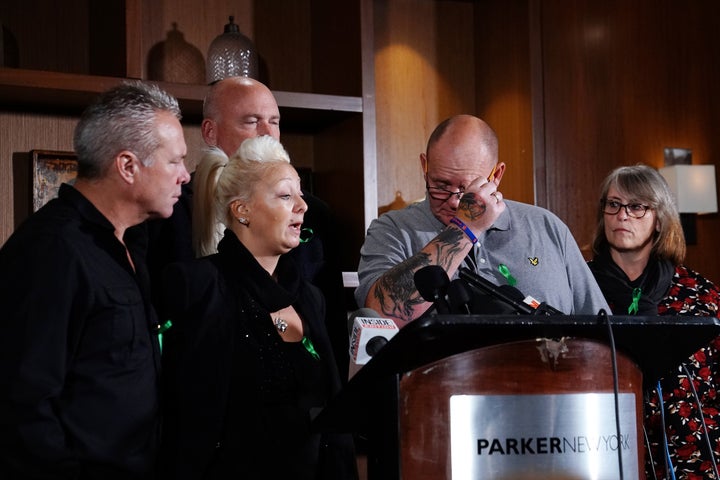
x: 122, y: 118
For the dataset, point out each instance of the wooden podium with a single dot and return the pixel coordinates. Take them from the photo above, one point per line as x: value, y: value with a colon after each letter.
x: 472, y: 396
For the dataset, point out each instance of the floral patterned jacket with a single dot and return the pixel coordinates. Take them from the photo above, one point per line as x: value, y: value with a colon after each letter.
x: 694, y: 384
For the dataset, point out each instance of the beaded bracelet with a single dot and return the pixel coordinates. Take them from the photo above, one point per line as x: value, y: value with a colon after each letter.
x: 464, y: 228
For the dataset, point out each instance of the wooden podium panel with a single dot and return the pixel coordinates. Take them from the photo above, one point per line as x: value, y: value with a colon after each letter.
x: 440, y: 358
x: 515, y: 368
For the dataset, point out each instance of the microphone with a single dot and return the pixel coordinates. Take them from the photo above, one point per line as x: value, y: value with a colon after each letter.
x: 370, y: 332
x: 485, y: 304
x: 508, y: 295
x: 432, y: 283
x: 459, y: 298
x: 360, y: 312
x: 541, y: 307
x: 465, y: 300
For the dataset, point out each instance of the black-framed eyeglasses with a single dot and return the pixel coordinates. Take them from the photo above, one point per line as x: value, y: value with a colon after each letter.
x: 439, y: 193
x: 612, y: 207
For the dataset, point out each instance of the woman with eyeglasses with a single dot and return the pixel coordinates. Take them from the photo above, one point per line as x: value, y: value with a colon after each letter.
x: 639, y: 250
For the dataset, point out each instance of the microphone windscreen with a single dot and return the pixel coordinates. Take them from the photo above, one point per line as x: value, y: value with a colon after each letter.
x: 374, y: 345
x: 431, y: 282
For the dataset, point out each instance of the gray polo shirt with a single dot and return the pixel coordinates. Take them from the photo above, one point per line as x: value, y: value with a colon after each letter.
x: 535, y: 245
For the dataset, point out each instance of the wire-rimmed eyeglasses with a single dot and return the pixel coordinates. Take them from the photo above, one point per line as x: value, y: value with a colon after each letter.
x: 439, y: 193
x: 612, y: 207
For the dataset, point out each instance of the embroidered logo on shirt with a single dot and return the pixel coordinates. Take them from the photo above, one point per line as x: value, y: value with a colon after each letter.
x: 533, y: 261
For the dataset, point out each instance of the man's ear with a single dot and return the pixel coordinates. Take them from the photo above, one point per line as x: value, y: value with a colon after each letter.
x: 424, y: 164
x: 127, y: 164
x: 499, y: 172
x: 208, y: 128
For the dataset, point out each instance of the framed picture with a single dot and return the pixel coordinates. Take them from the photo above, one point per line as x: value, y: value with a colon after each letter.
x: 49, y: 170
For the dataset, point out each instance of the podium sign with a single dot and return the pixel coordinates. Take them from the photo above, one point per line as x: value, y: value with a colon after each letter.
x: 562, y: 436
x: 524, y: 412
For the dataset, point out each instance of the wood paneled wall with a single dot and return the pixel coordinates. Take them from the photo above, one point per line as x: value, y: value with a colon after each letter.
x: 424, y: 57
x: 502, y: 71
x: 619, y: 82
x: 573, y: 89
x: 434, y: 59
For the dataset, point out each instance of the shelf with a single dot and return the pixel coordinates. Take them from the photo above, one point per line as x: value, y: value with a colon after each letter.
x: 66, y: 93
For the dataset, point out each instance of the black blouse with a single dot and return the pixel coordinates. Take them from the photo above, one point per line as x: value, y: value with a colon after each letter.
x: 228, y: 365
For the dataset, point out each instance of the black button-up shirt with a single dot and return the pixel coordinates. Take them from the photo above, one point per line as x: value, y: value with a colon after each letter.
x: 79, y: 357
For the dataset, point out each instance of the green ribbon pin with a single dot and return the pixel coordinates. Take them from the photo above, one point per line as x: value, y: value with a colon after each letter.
x: 162, y: 329
x: 634, y: 306
x: 306, y: 234
x: 310, y: 348
x: 505, y: 272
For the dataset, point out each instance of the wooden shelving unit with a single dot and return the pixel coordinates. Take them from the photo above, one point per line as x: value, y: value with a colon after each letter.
x: 70, y: 93
x: 320, y: 71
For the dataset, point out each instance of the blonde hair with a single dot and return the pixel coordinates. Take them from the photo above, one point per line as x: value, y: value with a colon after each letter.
x: 644, y: 184
x: 220, y: 180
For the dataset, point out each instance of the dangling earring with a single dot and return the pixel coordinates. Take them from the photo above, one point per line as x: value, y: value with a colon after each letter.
x: 244, y: 221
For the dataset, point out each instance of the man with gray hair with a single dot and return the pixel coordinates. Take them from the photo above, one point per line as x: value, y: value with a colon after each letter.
x: 79, y: 350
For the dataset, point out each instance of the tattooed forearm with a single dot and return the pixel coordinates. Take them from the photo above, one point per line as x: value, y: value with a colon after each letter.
x: 396, y: 292
x: 448, y: 246
x: 469, y: 204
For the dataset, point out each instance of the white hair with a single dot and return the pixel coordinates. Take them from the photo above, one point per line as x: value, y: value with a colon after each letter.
x: 220, y: 180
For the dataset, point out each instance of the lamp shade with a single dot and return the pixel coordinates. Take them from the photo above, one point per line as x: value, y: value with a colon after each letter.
x: 693, y: 186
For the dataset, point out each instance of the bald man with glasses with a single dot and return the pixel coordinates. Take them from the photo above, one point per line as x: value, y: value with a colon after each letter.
x: 464, y: 221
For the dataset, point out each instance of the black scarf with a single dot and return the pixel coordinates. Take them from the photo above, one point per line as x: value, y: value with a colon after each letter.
x: 654, y: 283
x: 238, y: 263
